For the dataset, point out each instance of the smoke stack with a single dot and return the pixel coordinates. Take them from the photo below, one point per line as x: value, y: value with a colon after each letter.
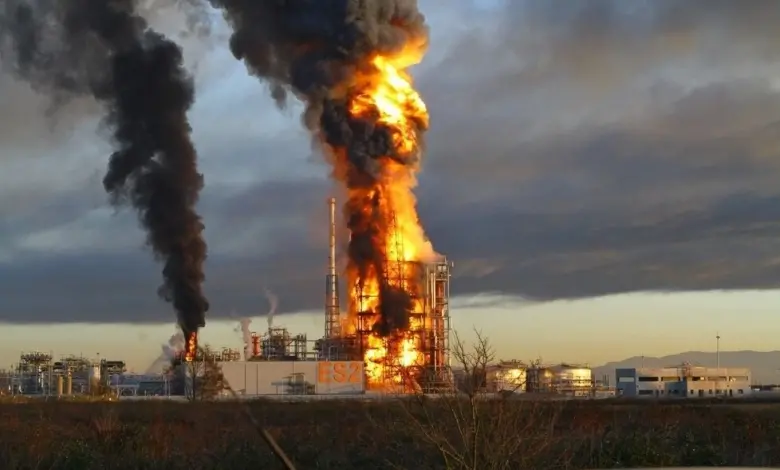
x: 332, y: 219
x: 332, y: 311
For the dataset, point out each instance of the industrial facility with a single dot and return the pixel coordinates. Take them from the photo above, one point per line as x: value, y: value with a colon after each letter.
x: 506, y: 376
x: 561, y: 380
x: 428, y: 333
x: 684, y: 381
x: 37, y: 373
x: 354, y: 356
x: 571, y: 380
x: 351, y: 357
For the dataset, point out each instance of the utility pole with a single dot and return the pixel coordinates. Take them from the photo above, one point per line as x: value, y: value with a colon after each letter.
x: 717, y: 352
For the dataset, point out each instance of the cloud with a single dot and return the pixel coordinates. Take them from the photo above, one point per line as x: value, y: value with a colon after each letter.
x: 577, y: 149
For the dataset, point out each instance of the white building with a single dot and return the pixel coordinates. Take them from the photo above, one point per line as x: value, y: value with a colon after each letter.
x: 257, y: 378
x: 685, y: 381
x: 563, y: 379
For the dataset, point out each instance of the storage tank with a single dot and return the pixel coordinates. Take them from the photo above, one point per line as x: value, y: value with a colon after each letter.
x: 539, y: 380
x: 572, y: 380
x: 506, y: 378
x: 60, y: 383
x: 94, y: 378
x: 69, y: 385
x: 94, y: 373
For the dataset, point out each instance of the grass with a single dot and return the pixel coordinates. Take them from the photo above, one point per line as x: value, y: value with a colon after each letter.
x: 390, y: 434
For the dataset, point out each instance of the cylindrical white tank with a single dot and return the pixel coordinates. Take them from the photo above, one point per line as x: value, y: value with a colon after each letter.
x: 506, y: 379
x: 94, y: 373
x: 576, y: 380
x: 94, y: 378
x: 539, y: 380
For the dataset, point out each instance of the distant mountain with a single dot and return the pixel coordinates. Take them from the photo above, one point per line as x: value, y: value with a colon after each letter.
x: 764, y: 365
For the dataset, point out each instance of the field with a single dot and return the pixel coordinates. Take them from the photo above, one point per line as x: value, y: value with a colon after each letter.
x: 411, y: 434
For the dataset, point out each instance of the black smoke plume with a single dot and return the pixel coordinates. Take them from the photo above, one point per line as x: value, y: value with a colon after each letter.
x: 103, y: 48
x: 320, y: 51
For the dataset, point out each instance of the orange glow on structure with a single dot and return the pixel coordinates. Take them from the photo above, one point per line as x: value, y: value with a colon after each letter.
x: 191, y: 348
x: 386, y: 95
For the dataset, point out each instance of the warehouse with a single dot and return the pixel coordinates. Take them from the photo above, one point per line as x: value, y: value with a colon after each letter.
x: 257, y: 378
x: 684, y: 381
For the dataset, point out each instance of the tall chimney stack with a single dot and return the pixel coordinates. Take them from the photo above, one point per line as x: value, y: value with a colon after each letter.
x: 332, y: 310
x: 332, y: 220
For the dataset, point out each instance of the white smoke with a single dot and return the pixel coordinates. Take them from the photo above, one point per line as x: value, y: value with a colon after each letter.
x: 175, y: 343
x: 169, y: 350
x: 273, y: 304
x: 246, y: 335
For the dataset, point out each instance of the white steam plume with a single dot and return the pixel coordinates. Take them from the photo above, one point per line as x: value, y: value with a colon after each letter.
x: 246, y: 335
x: 273, y: 304
x: 169, y: 350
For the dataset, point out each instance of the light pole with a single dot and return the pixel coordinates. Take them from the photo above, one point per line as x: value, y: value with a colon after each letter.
x: 717, y: 352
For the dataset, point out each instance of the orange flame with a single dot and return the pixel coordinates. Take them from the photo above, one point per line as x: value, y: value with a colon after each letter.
x: 192, y: 347
x: 388, y: 93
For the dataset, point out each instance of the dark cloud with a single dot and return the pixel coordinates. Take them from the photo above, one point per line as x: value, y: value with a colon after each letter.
x: 728, y: 244
x: 603, y: 147
x: 604, y: 43
x: 285, y: 256
x: 121, y: 294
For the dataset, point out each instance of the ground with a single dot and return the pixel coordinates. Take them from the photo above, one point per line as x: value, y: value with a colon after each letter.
x: 385, y: 434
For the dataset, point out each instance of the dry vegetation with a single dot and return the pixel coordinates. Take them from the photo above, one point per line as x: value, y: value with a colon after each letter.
x: 385, y: 434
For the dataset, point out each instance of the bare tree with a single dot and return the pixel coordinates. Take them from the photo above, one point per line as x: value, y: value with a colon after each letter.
x: 474, y: 429
x: 473, y: 362
x: 201, y: 378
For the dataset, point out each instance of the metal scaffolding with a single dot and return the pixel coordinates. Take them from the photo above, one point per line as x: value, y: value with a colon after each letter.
x: 422, y: 328
x: 428, y: 331
x: 277, y: 344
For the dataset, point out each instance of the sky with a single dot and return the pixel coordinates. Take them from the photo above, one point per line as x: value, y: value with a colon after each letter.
x: 602, y: 173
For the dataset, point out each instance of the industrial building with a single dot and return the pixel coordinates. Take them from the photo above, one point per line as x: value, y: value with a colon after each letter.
x: 256, y: 378
x: 37, y: 373
x: 133, y: 385
x: 278, y: 363
x: 684, y: 381
x: 562, y: 380
x: 506, y: 376
x: 570, y: 380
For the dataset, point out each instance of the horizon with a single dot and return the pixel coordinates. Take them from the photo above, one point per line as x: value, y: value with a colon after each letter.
x: 532, y: 324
